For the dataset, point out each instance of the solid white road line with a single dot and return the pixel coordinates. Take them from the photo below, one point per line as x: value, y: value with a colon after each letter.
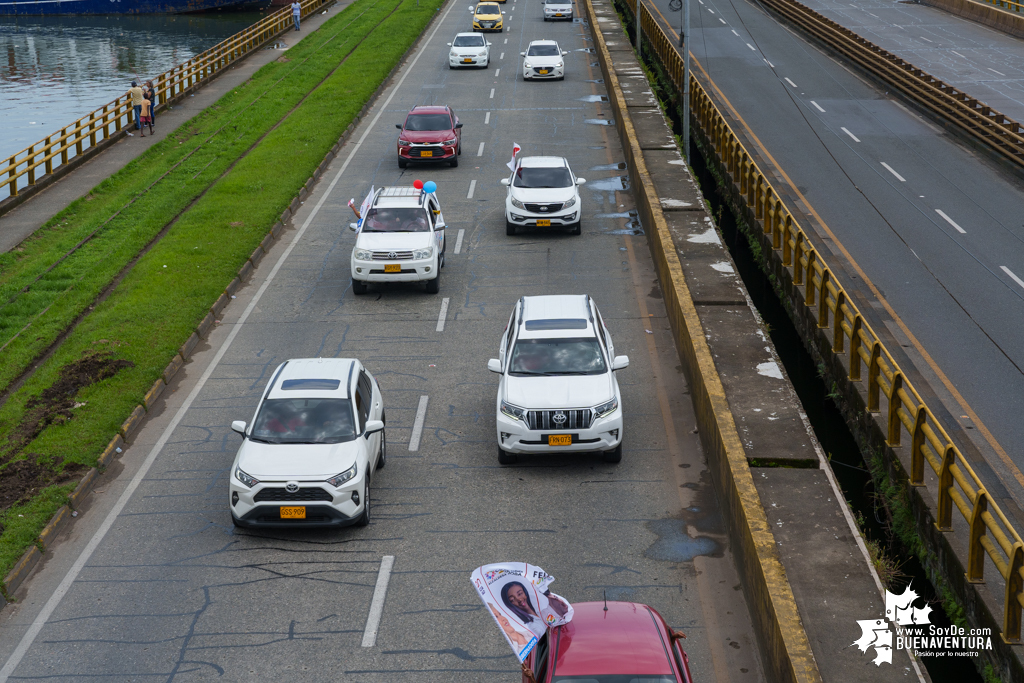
x: 479, y: 153
x: 789, y: 81
x: 752, y: 47
x: 458, y: 240
x: 1010, y: 273
x: 855, y: 138
x: 948, y: 219
x: 496, y: 72
x: 442, y: 315
x: 487, y: 118
x: 417, y: 425
x: 735, y: 34
x: 472, y: 188
x: 890, y: 169
x: 69, y: 579
x: 958, y: 54
x: 817, y: 106
x: 377, y: 603
x: 492, y: 93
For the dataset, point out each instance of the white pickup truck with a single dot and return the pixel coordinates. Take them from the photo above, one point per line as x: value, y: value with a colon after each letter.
x: 400, y: 239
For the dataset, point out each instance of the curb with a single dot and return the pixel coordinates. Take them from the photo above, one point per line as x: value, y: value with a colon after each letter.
x: 785, y: 649
x: 28, y: 561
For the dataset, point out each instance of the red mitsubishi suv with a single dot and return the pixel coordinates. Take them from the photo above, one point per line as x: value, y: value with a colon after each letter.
x: 430, y: 134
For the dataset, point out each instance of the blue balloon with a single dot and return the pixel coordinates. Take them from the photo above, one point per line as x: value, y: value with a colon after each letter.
x: 429, y: 187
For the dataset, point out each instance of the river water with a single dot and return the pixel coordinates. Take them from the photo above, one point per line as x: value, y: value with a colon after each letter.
x: 54, y: 70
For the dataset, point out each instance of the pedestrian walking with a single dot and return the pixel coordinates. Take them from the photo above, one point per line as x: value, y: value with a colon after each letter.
x: 296, y: 13
x: 147, y: 116
x: 150, y: 94
x: 137, y: 95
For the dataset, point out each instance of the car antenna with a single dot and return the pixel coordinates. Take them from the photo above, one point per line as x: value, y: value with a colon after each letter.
x: 605, y: 591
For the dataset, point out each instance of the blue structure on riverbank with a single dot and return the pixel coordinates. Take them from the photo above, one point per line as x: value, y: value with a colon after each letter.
x: 65, y: 7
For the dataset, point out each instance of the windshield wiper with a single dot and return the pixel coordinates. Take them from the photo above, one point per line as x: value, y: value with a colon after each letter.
x: 253, y: 438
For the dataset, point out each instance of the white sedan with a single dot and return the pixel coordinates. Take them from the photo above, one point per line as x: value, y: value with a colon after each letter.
x: 544, y: 59
x: 557, y: 9
x: 543, y: 193
x: 469, y: 49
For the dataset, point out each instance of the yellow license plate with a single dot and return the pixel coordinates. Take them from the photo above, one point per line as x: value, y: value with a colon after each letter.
x: 297, y: 512
x: 558, y: 15
x: 393, y: 268
x: 543, y: 222
x: 467, y: 60
x: 542, y: 72
x: 559, y: 439
x: 427, y: 154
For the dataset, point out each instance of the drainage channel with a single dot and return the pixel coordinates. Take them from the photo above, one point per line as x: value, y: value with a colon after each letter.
x: 900, y: 567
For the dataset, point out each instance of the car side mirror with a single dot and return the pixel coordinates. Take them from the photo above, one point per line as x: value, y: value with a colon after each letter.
x: 470, y: 9
x: 494, y: 365
x: 353, y: 227
x: 522, y: 54
x: 372, y: 427
x: 565, y: 52
x: 238, y: 426
x: 398, y: 126
x: 506, y: 182
x: 620, y: 363
x: 458, y: 125
x: 489, y: 43
x: 581, y: 181
x: 502, y: 12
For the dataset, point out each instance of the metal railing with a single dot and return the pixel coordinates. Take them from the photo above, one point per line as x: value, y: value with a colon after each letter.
x: 34, y: 163
x: 1004, y: 4
x: 959, y: 488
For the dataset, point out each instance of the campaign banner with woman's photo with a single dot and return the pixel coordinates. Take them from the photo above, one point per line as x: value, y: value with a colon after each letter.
x: 518, y: 597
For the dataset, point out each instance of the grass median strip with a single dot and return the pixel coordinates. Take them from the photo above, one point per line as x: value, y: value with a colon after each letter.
x: 168, y: 291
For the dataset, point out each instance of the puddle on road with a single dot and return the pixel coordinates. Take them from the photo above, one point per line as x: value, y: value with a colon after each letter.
x: 594, y: 98
x: 596, y: 80
x: 596, y: 147
x: 613, y: 184
x: 674, y: 544
x: 621, y: 166
x: 632, y: 225
x: 586, y: 49
x: 599, y: 122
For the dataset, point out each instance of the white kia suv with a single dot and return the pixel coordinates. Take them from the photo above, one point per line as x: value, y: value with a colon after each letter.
x: 469, y: 49
x: 400, y: 239
x: 543, y: 193
x: 557, y: 9
x: 309, y: 454
x: 557, y: 390
x: 543, y: 59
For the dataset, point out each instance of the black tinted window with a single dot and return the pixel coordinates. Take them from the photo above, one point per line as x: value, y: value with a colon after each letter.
x: 469, y: 41
x: 314, y: 384
x: 304, y: 420
x: 420, y: 122
x: 557, y: 357
x: 543, y: 51
x: 488, y: 9
x: 543, y: 177
x: 395, y: 220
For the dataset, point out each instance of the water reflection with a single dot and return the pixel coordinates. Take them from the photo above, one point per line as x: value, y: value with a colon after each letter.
x: 54, y: 70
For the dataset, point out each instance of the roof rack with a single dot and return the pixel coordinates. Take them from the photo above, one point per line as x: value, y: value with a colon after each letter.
x: 399, y: 192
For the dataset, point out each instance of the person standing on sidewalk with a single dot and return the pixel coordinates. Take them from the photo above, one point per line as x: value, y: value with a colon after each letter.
x: 135, y: 92
x: 147, y: 118
x: 150, y: 94
x: 296, y: 13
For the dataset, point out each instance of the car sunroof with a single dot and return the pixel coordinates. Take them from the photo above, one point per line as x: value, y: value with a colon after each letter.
x: 556, y: 324
x: 311, y: 384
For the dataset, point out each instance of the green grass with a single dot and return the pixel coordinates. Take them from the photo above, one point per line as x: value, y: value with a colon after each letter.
x: 22, y: 523
x: 154, y: 309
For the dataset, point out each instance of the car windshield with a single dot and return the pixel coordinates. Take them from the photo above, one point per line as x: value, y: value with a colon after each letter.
x: 487, y: 9
x: 395, y: 220
x: 418, y: 122
x: 543, y: 177
x: 614, y: 678
x: 543, y: 51
x: 570, y: 356
x: 304, y: 420
x: 468, y: 41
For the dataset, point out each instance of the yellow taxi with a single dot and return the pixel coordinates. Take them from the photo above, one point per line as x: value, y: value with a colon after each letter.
x: 487, y: 16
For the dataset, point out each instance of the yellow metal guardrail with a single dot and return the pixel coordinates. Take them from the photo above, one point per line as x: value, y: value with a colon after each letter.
x: 56, y: 150
x: 1005, y: 4
x: 958, y: 486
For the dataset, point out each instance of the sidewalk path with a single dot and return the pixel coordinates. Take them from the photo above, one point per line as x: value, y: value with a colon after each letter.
x: 21, y: 222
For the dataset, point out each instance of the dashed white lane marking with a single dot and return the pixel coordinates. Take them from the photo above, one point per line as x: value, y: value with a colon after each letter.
x: 768, y: 63
x: 721, y: 20
x: 890, y: 169
x: 711, y: 10
x: 925, y: 39
x: 874, y: 15
x: 458, y: 240
x: 492, y: 93
x: 487, y: 118
x: 995, y: 72
x: 506, y: 42
x: 789, y: 81
x: 496, y: 72
x: 417, y: 425
x: 735, y: 34
x: 472, y: 189
x: 958, y: 54
x: 855, y: 138
x: 752, y: 47
x: 817, y: 106
x: 1010, y: 273
x: 502, y: 56
x: 377, y: 602
x: 442, y: 315
x: 946, y: 218
x: 480, y: 150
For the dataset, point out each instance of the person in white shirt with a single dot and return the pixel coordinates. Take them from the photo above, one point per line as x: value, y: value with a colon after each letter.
x: 296, y: 13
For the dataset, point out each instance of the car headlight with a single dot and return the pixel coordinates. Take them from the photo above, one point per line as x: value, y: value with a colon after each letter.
x: 482, y: 54
x: 245, y: 478
x: 423, y: 253
x: 404, y: 143
x: 527, y: 65
x: 558, y: 66
x: 339, y: 479
x: 449, y: 142
x: 571, y: 202
x: 515, y: 412
x: 362, y: 255
x: 453, y: 53
x: 606, y: 408
x: 518, y: 204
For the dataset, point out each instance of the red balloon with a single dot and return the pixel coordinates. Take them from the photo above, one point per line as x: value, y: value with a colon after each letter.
x: 418, y: 184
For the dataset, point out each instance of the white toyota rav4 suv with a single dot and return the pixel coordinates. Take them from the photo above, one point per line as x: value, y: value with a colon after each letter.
x: 543, y: 192
x: 558, y: 390
x: 308, y: 455
x: 400, y: 239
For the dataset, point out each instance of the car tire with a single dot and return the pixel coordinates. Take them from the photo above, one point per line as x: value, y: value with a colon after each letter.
x: 402, y: 163
x: 506, y: 458
x: 359, y: 287
x: 460, y: 149
x: 510, y: 228
x: 237, y: 523
x: 615, y: 455
x: 561, y: 78
x: 576, y: 229
x: 455, y: 161
x: 434, y: 286
x: 364, y: 519
x: 382, y: 459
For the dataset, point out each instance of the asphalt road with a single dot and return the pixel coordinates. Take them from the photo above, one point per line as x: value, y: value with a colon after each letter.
x: 930, y: 235
x: 153, y: 583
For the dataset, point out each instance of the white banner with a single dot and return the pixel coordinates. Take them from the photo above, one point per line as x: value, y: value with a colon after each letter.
x: 517, y: 596
x: 515, y: 150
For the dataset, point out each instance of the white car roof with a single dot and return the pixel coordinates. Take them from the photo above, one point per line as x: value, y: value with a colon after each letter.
x: 543, y: 162
x: 557, y: 315
x: 543, y: 41
x: 313, y: 378
x: 468, y: 33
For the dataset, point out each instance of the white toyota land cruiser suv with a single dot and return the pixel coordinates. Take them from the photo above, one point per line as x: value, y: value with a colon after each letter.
x: 558, y: 390
x: 400, y: 239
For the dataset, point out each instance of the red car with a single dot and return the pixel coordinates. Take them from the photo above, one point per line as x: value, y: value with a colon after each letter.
x: 430, y: 134
x: 625, y: 643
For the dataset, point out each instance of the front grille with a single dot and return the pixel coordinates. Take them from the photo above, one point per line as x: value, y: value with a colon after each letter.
x: 436, y: 150
x: 277, y: 494
x: 381, y: 271
x: 543, y: 208
x: 392, y: 255
x: 574, y: 419
x: 486, y: 24
x: 549, y: 69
